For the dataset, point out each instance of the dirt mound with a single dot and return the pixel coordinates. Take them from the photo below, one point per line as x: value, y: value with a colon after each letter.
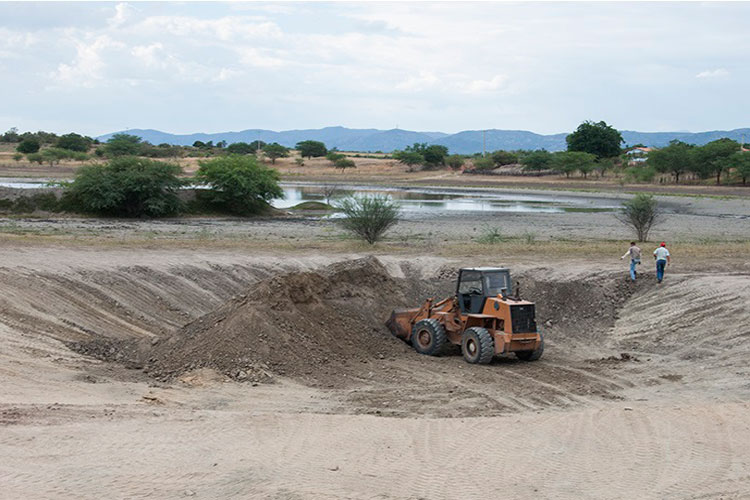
x: 316, y: 327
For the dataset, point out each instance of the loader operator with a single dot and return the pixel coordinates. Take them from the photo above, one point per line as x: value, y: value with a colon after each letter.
x: 635, y: 258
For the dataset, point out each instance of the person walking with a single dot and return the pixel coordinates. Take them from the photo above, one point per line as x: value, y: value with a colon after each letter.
x: 661, y: 254
x: 635, y: 259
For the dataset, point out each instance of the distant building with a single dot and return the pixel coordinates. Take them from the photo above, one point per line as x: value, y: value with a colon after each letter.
x: 637, y: 155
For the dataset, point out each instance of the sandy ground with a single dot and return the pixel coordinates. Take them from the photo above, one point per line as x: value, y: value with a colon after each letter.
x: 642, y: 393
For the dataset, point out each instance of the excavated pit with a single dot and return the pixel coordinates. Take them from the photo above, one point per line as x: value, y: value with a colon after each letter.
x: 323, y: 326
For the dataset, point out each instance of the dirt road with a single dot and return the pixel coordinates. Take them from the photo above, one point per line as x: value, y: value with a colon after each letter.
x: 642, y: 392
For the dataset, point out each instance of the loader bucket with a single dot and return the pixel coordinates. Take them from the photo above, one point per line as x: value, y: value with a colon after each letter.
x: 400, y: 322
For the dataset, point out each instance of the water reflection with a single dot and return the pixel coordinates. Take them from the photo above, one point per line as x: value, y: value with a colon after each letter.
x: 423, y: 200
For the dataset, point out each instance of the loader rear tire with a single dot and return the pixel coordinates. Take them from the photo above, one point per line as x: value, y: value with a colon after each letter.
x: 477, y: 345
x: 428, y: 337
x: 532, y: 355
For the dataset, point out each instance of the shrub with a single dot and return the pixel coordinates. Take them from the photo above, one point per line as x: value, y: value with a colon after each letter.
x: 504, y: 158
x: 17, y: 156
x: 74, y: 142
x: 455, y: 162
x: 123, y: 145
x: 28, y: 146
x: 126, y: 187
x: 238, y: 184
x: 344, y: 163
x: 641, y: 213
x: 35, y: 158
x: 491, y: 236
x: 241, y: 148
x: 482, y: 164
x: 640, y: 174
x: 369, y: 217
x: 300, y: 162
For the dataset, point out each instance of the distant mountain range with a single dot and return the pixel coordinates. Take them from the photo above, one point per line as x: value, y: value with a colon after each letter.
x: 466, y: 142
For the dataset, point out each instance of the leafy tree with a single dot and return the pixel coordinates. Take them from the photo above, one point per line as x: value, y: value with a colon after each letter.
x: 241, y: 148
x: 344, y: 163
x: 504, y: 158
x: 740, y: 162
x: 483, y: 164
x: 369, y: 217
x: 455, y: 162
x: 55, y: 155
x: 540, y: 159
x: 41, y: 136
x: 123, y: 145
x: 712, y: 158
x: 311, y: 148
x: 74, y: 142
x: 599, y: 139
x: 238, y: 184
x: 126, y: 187
x: 35, y: 158
x: 258, y: 145
x: 675, y: 159
x: 409, y: 158
x: 435, y: 154
x: 28, y: 146
x: 641, y: 213
x: 221, y: 144
x: 570, y: 161
x: 275, y: 150
x: 11, y: 135
x: 199, y: 144
x: 333, y: 156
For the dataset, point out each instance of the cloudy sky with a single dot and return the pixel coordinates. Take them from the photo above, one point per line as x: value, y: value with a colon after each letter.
x: 212, y: 67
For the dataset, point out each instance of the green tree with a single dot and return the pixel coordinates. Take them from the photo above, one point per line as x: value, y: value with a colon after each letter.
x: 199, y: 144
x: 11, y: 135
x: 310, y: 149
x: 455, y: 162
x: 435, y: 155
x: 28, y: 146
x: 740, y: 162
x: 675, y: 159
x: 569, y: 161
x: 238, y: 184
x: 55, y: 155
x: 501, y: 158
x: 35, y: 158
x: 333, y: 156
x: 123, y: 145
x: 126, y: 187
x: 712, y: 158
x: 241, y: 148
x: 275, y: 150
x: 540, y: 159
x: 409, y: 158
x: 74, y: 142
x: 598, y: 139
x: 483, y: 164
x: 344, y: 163
x: 369, y: 217
x: 641, y: 213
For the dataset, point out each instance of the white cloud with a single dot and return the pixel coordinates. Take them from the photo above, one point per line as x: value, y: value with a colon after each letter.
x: 123, y: 12
x: 87, y: 67
x: 496, y: 83
x: 713, y: 74
x: 424, y: 80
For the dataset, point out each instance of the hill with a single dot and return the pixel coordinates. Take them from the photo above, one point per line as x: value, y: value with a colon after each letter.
x: 466, y: 142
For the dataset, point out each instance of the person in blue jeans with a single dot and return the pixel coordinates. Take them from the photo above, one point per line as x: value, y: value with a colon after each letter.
x: 635, y: 258
x: 661, y: 255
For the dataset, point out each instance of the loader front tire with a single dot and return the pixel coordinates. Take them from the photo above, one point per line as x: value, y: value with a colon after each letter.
x: 428, y: 337
x: 532, y: 355
x: 477, y: 345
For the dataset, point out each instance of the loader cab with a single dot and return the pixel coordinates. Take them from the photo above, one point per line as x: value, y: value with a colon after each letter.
x: 477, y: 283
